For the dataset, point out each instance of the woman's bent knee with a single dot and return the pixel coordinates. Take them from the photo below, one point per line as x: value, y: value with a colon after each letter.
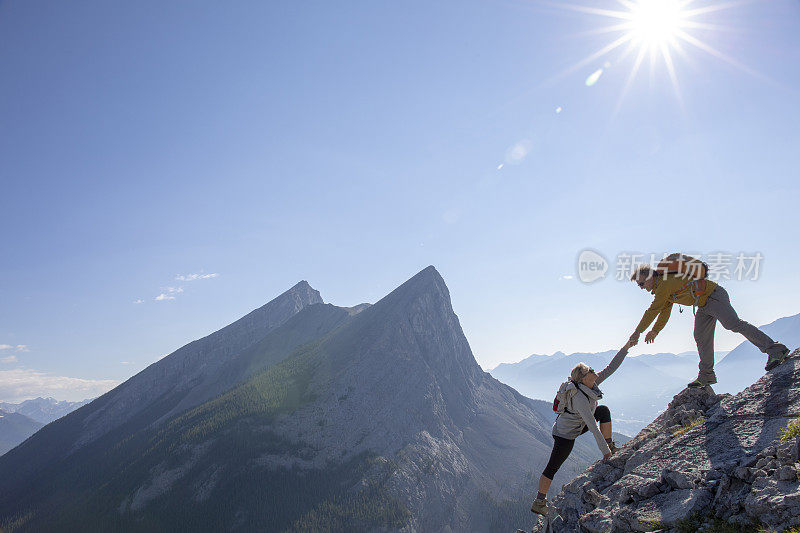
x: 602, y: 414
x: 551, y: 469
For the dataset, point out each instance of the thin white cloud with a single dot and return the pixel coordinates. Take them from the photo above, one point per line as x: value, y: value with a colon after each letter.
x: 9, y: 359
x: 24, y: 384
x: 138, y: 301
x: 567, y: 276
x: 169, y: 293
x: 15, y: 347
x: 193, y: 277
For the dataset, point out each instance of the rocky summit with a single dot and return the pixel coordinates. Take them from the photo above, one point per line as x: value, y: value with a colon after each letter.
x: 708, y: 458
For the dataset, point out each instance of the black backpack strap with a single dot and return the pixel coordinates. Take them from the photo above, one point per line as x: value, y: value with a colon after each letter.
x: 577, y: 386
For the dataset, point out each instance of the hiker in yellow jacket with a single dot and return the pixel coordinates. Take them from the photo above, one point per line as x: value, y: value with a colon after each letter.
x: 681, y: 280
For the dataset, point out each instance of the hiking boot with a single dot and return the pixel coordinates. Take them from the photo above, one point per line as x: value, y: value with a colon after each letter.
x: 539, y: 506
x: 775, y: 359
x: 696, y: 384
x: 613, y: 447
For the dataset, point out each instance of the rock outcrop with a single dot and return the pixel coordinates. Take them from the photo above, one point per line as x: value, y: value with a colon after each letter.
x: 711, y: 456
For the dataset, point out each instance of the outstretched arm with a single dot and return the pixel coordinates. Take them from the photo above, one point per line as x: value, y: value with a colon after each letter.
x: 659, y: 301
x: 614, y: 364
x: 663, y: 317
x: 653, y: 311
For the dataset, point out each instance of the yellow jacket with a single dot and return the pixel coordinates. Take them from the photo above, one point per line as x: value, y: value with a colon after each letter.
x: 674, y: 289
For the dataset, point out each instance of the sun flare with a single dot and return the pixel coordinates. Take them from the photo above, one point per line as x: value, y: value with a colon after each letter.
x: 655, y: 22
x: 661, y: 30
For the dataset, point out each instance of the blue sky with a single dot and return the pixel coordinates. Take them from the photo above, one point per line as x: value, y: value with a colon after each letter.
x: 352, y: 145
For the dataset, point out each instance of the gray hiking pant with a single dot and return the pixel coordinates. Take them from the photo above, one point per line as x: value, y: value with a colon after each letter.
x: 718, y: 307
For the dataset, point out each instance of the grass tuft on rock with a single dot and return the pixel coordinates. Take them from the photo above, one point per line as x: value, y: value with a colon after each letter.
x: 709, y: 524
x: 694, y: 423
x: 791, y: 431
x: 693, y: 523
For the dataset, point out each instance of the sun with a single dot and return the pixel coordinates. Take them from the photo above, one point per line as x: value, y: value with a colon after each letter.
x: 655, y: 23
x: 662, y: 30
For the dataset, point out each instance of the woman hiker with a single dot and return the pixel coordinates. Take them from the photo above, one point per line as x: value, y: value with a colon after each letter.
x: 712, y: 304
x: 580, y: 414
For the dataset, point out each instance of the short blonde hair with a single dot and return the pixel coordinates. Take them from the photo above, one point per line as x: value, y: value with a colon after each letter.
x: 579, y: 372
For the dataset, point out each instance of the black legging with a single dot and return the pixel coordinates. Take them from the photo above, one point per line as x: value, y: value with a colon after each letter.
x: 563, y: 447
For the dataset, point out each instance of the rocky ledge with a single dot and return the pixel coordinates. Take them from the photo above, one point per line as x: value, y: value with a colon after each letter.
x: 711, y: 456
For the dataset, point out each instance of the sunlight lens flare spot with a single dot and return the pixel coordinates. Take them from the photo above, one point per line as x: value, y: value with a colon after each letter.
x: 558, y: 110
x: 654, y: 22
x: 518, y: 152
x: 654, y: 29
x: 593, y: 77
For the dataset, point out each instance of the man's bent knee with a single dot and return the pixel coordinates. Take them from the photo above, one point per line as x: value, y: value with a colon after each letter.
x: 602, y: 414
x: 737, y: 326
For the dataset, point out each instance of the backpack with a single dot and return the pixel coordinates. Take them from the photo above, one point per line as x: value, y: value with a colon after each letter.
x: 685, y: 265
x: 693, y: 269
x: 560, y: 401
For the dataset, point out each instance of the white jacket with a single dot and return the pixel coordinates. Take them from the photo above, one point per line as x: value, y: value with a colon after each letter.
x: 581, y: 405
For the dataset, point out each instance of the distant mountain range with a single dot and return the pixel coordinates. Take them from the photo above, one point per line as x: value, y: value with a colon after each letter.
x: 43, y: 410
x: 299, y: 416
x: 15, y: 428
x: 18, y: 421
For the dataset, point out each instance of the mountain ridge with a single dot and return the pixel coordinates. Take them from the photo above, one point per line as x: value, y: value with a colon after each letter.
x: 43, y: 410
x: 202, y: 355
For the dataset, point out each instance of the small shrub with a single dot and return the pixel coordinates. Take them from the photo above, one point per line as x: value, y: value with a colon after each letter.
x: 654, y: 525
x: 692, y: 523
x: 694, y: 423
x: 791, y: 431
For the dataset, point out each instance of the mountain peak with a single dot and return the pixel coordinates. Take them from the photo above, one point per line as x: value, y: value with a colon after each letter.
x: 305, y: 291
x: 193, y: 363
x: 428, y: 275
x: 427, y: 283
